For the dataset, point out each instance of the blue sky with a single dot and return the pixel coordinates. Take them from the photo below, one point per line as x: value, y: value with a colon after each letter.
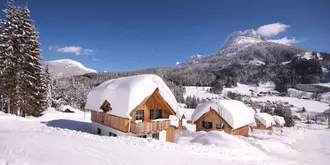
x: 128, y: 34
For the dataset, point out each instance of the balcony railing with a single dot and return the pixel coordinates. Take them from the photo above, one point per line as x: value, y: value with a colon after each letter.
x: 149, y: 127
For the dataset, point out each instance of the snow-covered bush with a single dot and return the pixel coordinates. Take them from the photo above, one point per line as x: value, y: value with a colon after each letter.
x: 285, y: 112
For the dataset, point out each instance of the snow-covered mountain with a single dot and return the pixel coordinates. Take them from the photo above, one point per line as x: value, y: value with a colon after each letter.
x: 66, y: 68
x: 242, y: 38
x: 192, y: 59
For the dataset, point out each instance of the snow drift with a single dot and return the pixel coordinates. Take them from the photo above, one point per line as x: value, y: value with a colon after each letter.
x: 218, y: 138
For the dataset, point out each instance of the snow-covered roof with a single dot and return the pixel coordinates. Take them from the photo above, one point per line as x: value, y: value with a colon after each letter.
x: 182, y: 105
x: 279, y: 120
x: 265, y: 118
x: 187, y: 112
x: 64, y: 107
x: 125, y: 93
x: 234, y: 112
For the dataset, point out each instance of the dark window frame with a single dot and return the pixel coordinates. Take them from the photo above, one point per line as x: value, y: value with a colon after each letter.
x: 112, y: 134
x: 139, y: 114
x: 207, y: 124
x: 142, y: 136
x: 156, y: 114
x: 155, y: 135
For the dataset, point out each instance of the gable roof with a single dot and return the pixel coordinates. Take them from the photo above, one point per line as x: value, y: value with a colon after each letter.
x: 265, y: 118
x: 126, y: 93
x: 187, y: 112
x: 279, y: 120
x: 234, y: 112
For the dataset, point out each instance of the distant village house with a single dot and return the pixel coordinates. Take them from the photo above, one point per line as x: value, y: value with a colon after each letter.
x: 264, y: 121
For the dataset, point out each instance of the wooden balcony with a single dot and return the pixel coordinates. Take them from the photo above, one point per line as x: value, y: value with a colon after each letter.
x: 149, y: 127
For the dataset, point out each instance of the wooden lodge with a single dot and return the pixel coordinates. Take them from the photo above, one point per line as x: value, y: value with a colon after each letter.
x: 67, y: 110
x: 150, y: 118
x: 264, y: 121
x: 260, y: 125
x: 213, y: 121
x: 231, y: 116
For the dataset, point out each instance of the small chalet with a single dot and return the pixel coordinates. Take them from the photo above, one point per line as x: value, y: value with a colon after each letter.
x: 264, y: 121
x: 230, y: 116
x: 66, y: 109
x: 141, y: 106
x: 279, y: 121
x: 327, y: 114
x: 185, y: 119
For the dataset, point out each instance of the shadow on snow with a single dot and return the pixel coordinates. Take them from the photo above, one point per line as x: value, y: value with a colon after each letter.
x: 70, y: 124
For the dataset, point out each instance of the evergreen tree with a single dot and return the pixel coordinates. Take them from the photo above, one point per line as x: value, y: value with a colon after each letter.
x: 8, y: 59
x: 36, y: 79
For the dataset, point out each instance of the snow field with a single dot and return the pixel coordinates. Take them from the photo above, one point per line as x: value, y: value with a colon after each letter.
x: 310, y: 105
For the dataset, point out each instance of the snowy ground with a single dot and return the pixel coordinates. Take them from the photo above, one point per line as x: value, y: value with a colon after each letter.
x: 199, y: 92
x: 243, y: 89
x: 310, y: 105
x: 65, y: 138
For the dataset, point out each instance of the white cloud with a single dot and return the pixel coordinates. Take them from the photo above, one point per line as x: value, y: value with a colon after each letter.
x: 177, y: 63
x: 285, y: 41
x: 272, y: 29
x: 74, y: 49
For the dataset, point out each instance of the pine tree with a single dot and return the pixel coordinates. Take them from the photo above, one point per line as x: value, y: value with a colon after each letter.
x: 36, y: 79
x: 8, y: 58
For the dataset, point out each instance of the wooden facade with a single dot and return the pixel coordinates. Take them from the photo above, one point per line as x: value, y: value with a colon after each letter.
x: 213, y: 117
x: 118, y: 123
x: 262, y: 126
x: 170, y: 134
x: 149, y: 127
x: 154, y: 102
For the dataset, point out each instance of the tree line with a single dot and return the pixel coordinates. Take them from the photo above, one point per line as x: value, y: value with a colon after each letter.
x: 23, y: 80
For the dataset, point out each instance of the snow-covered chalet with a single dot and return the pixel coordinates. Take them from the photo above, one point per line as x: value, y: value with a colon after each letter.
x: 264, y: 121
x: 139, y: 105
x: 230, y: 116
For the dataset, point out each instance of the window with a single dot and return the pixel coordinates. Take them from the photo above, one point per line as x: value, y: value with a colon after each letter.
x: 219, y: 126
x: 207, y: 125
x: 142, y: 136
x: 155, y: 114
x: 99, y: 131
x: 155, y: 136
x: 139, y: 115
x: 112, y: 134
x: 106, y: 106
